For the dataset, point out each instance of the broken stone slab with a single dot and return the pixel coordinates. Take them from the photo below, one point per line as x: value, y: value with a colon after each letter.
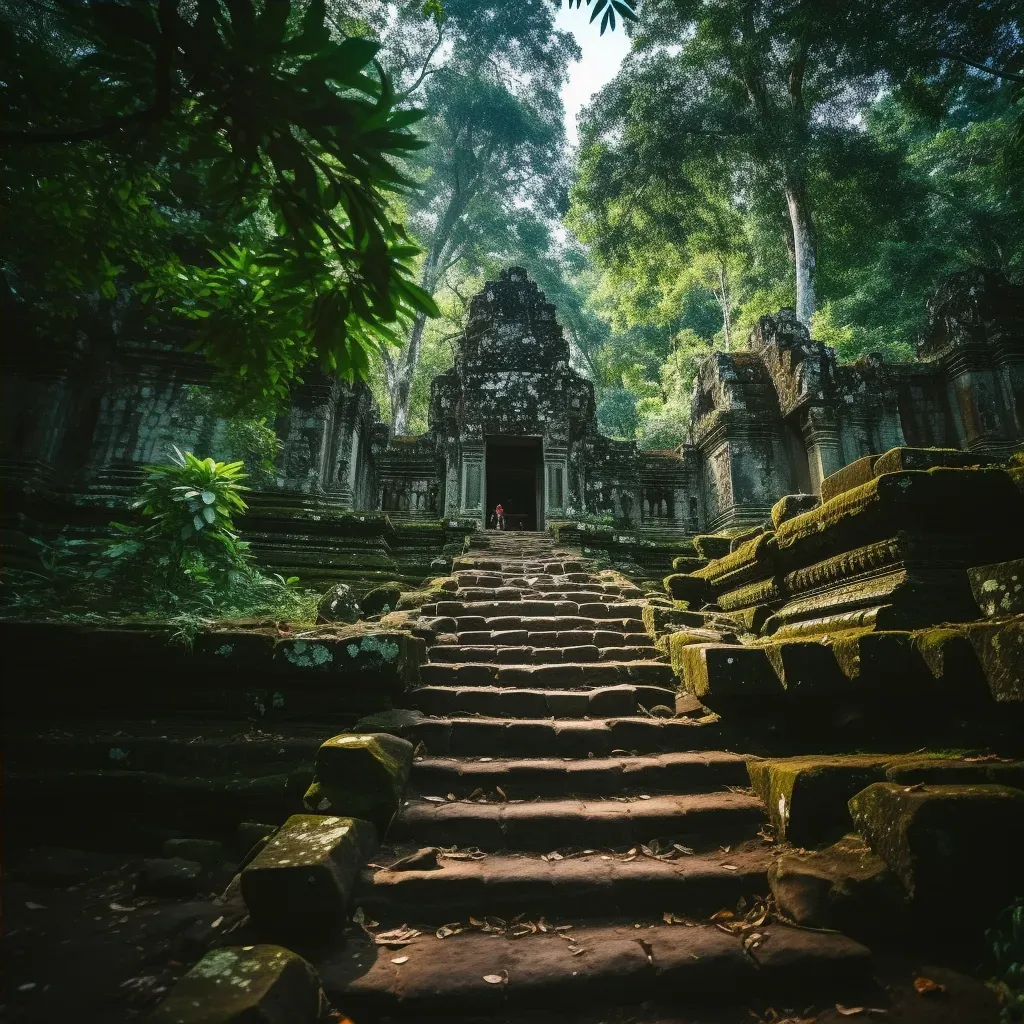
x: 846, y: 887
x: 898, y: 460
x: 999, y: 588
x: 807, y: 669
x: 854, y: 475
x: 792, y: 505
x: 303, y: 876
x: 691, y: 589
x: 208, y: 852
x: 956, y: 849
x: 360, y: 775
x: 729, y: 676
x: 1000, y: 649
x: 807, y: 797
x: 339, y: 604
x: 169, y: 876
x: 245, y: 985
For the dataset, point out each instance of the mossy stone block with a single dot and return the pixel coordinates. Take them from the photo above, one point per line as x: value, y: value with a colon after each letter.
x: 898, y: 460
x: 846, y: 886
x: 729, y: 676
x: 688, y: 563
x: 807, y: 797
x: 251, y: 985
x: 1000, y: 649
x: 691, y: 589
x: 339, y: 604
x: 856, y: 473
x: 381, y: 599
x: 792, y: 505
x: 303, y: 876
x: 999, y: 588
x: 807, y: 668
x: 361, y: 775
x: 956, y: 849
x: 713, y: 545
x: 685, y: 637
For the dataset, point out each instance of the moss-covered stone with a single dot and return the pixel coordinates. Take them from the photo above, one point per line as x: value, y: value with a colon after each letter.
x: 956, y: 849
x: 898, y: 460
x: 245, y: 985
x: 806, y: 797
x: 807, y: 668
x: 854, y: 475
x: 688, y: 563
x: 713, y: 545
x: 846, y: 886
x: 999, y: 588
x: 339, y: 604
x: 1000, y: 649
x: 381, y: 599
x: 659, y: 620
x: 303, y: 876
x: 691, y: 589
x: 726, y: 676
x: 361, y: 775
x: 792, y: 505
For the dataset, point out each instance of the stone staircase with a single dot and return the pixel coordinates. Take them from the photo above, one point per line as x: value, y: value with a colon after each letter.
x: 570, y: 833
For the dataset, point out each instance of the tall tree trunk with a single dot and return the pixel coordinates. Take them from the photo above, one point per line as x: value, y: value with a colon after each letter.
x: 805, y: 250
x: 400, y: 388
x: 726, y: 302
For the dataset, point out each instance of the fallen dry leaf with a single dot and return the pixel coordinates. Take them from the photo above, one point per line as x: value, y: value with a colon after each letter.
x: 449, y: 929
x: 496, y: 979
x: 848, y: 1011
x: 435, y: 799
x: 926, y: 987
x: 400, y: 960
x: 501, y: 793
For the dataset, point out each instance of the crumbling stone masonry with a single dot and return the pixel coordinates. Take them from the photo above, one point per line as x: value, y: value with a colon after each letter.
x: 513, y: 422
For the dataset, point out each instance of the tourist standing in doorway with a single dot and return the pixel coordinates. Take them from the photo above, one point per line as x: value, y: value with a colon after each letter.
x: 499, y: 517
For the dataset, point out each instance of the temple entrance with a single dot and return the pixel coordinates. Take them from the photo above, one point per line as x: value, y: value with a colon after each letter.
x: 514, y: 466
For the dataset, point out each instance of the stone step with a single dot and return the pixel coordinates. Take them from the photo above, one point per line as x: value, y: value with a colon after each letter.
x: 483, y: 595
x: 453, y: 654
x: 701, y: 821
x: 569, y: 888
x: 531, y: 608
x: 546, y: 624
x: 622, y: 965
x: 548, y: 677
x: 532, y: 737
x: 518, y: 703
x: 591, y: 776
x: 564, y: 638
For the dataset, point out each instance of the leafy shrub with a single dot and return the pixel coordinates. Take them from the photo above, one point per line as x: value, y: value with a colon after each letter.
x: 1006, y: 944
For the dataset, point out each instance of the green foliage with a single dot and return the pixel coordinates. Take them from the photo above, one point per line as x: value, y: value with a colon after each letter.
x: 1006, y: 946
x: 146, y: 135
x: 607, y: 10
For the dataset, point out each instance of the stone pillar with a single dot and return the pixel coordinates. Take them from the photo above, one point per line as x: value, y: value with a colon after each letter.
x: 472, y: 483
x: 556, y: 483
x: 823, y: 444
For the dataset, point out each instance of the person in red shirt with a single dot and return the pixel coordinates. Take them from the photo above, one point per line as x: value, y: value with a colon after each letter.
x: 499, y: 517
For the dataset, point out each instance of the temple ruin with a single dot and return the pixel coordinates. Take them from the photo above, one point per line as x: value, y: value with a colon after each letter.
x: 513, y: 422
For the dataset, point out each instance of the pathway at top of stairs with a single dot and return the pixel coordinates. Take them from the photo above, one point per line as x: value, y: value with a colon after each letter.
x: 580, y: 840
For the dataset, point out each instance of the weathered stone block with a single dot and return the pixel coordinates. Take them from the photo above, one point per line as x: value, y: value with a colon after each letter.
x: 303, y: 876
x: 682, y: 638
x: 807, y: 797
x: 793, y: 505
x: 381, y: 599
x: 659, y: 619
x: 846, y: 886
x: 339, y: 604
x: 999, y: 588
x: 360, y: 775
x: 886, y: 662
x: 1000, y: 649
x: 726, y: 675
x: 897, y: 460
x: 691, y: 589
x: 853, y: 475
x: 688, y: 563
x: 713, y: 545
x: 250, y: 985
x: 807, y: 668
x: 957, y: 849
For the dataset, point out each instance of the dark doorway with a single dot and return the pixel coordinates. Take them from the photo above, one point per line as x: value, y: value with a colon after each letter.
x: 513, y: 480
